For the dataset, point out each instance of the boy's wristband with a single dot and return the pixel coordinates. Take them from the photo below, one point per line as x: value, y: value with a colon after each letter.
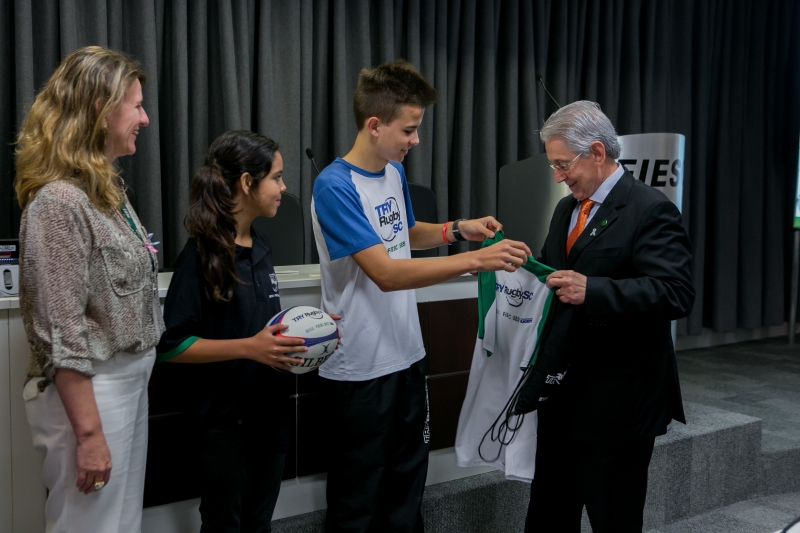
x: 444, y: 233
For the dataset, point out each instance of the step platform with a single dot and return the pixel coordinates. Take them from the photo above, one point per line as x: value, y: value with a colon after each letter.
x: 711, y: 462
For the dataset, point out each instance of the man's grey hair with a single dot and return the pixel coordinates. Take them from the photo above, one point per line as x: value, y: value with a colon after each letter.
x: 580, y: 124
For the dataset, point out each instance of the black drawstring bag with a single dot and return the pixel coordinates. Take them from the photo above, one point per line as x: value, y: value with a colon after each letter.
x: 545, y: 378
x: 541, y: 381
x: 793, y: 527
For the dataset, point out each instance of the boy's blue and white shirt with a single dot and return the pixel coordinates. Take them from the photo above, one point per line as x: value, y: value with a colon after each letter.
x: 352, y: 210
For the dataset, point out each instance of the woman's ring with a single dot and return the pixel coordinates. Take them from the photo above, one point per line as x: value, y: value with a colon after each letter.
x: 558, y: 291
x: 99, y: 485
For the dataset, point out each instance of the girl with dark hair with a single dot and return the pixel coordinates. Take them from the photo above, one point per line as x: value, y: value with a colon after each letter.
x: 222, y: 294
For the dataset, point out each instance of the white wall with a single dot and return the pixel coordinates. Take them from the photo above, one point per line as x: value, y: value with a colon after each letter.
x: 5, y: 422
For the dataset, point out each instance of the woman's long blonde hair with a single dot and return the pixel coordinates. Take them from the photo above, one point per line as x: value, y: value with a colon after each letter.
x: 64, y: 136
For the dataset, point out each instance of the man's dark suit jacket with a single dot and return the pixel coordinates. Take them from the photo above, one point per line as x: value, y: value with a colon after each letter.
x: 622, y: 381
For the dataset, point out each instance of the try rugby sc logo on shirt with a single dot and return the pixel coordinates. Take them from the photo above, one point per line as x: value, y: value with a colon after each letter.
x: 389, y: 220
x: 515, y: 295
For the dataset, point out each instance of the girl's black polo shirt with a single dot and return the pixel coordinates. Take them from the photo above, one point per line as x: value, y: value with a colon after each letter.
x: 228, y: 394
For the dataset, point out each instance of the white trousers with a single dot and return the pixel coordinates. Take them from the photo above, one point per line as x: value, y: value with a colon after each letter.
x: 120, y: 389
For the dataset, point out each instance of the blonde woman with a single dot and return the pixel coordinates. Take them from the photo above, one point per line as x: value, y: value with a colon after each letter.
x: 88, y: 293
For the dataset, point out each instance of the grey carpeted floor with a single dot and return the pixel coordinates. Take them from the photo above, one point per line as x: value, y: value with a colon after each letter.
x: 761, y: 379
x: 762, y: 515
x: 757, y: 378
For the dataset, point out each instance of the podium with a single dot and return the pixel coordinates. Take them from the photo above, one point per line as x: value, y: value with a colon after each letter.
x: 526, y: 199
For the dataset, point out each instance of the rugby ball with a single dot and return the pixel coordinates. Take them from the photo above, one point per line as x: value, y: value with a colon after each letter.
x: 317, y: 330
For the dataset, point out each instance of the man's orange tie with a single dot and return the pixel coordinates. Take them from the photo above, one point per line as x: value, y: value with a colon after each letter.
x: 583, y: 215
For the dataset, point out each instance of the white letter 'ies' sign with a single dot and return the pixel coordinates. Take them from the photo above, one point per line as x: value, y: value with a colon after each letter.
x: 657, y: 159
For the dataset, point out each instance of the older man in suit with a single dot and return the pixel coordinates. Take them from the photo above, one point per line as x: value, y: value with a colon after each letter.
x: 622, y: 259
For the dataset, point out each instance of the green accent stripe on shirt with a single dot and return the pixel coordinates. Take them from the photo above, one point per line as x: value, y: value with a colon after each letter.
x: 487, y: 280
x: 182, y: 347
x: 538, y: 269
x: 547, y: 313
x: 486, y: 294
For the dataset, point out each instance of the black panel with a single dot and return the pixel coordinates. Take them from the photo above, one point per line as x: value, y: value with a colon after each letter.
x: 453, y: 330
x: 310, y: 382
x: 285, y: 231
x: 290, y: 466
x: 172, y: 473
x: 446, y: 395
x: 423, y: 309
x: 172, y: 462
x: 312, y: 432
x: 167, y: 387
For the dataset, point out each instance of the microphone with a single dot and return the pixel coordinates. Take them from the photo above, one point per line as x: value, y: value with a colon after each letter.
x: 538, y: 77
x: 310, y: 155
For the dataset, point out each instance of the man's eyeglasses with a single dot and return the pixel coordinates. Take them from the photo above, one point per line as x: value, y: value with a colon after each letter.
x: 564, y: 168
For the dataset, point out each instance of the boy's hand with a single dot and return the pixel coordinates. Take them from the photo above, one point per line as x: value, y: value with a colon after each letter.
x: 505, y: 255
x: 478, y: 229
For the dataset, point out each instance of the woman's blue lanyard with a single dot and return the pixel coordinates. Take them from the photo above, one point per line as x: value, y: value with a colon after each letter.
x: 150, y: 246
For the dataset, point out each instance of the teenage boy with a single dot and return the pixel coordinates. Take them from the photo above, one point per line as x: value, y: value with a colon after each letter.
x: 365, y: 231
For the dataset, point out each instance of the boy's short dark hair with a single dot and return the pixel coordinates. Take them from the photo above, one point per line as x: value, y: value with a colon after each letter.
x: 383, y: 90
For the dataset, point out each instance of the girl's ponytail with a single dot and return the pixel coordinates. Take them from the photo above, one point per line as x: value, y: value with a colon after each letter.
x: 210, y: 221
x: 212, y: 204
